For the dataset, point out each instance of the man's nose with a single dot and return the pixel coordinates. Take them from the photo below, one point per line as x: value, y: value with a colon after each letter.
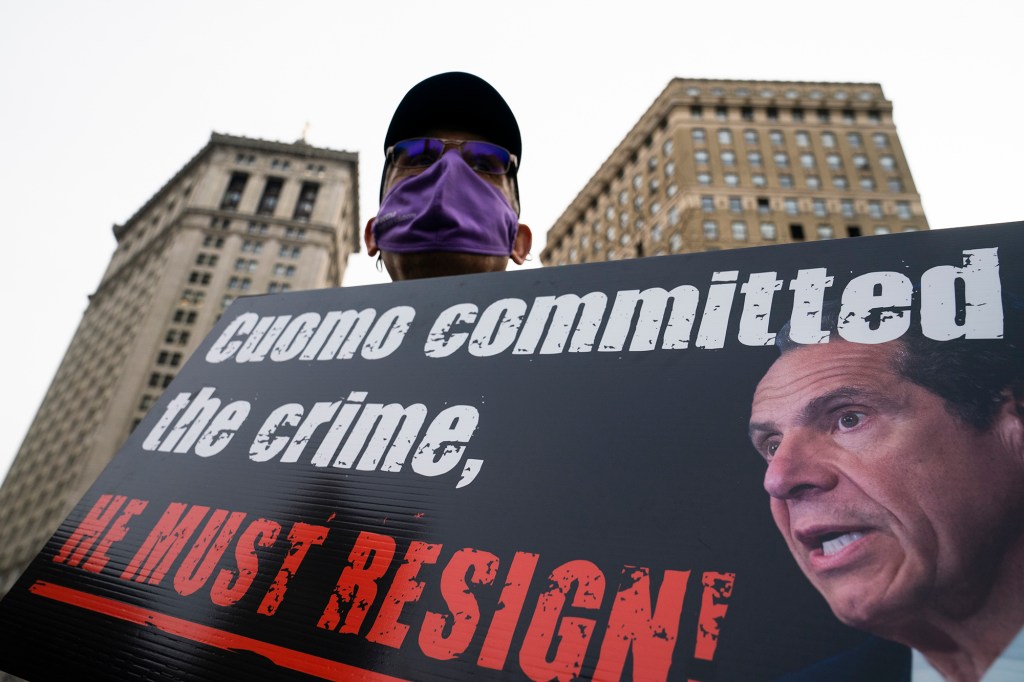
x: 801, y: 466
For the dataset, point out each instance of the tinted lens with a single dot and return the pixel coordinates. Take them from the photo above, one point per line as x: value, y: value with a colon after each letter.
x: 418, y: 153
x: 485, y: 157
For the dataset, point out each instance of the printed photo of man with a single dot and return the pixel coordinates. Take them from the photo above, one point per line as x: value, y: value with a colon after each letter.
x: 896, y: 476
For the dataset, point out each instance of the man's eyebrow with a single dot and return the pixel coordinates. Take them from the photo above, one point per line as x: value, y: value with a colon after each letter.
x: 823, y: 403
x: 761, y: 427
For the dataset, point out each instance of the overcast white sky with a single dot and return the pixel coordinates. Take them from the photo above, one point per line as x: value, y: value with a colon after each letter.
x: 101, y: 102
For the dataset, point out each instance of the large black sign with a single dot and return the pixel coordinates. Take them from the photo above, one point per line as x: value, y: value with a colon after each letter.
x: 543, y: 474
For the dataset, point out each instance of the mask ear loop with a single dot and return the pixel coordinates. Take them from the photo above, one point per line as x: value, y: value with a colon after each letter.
x: 380, y: 262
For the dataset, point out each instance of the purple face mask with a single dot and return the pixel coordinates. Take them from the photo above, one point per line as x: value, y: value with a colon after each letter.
x: 447, y: 207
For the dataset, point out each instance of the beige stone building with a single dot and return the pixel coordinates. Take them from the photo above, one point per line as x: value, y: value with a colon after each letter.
x: 717, y: 164
x: 244, y: 216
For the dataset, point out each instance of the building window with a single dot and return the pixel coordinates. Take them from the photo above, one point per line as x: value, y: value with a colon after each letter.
x: 638, y: 203
x: 772, y: 113
x: 673, y: 216
x: 750, y: 136
x: 785, y: 180
x: 853, y: 230
x: 271, y: 193
x: 763, y: 205
x: 728, y: 158
x: 903, y: 210
x: 881, y: 140
x: 698, y: 135
x: 860, y: 162
x: 791, y: 206
x: 671, y: 190
x: 834, y: 161
x: 758, y: 180
x: 807, y: 160
x: 867, y: 183
x: 245, y: 159
x: 701, y: 157
x: 855, y: 140
x: 210, y: 241
x: 813, y: 182
x: 875, y: 209
x: 710, y: 228
x: 307, y: 197
x: 675, y: 243
x: 846, y: 206
x: 823, y: 115
x: 781, y: 159
x: 776, y: 138
x: 739, y: 230
x: 252, y: 246
x: 233, y: 194
x: 703, y: 178
x: 667, y: 147
x: 735, y: 205
x: 828, y: 140
x: 887, y: 162
x: 724, y: 136
x: 732, y: 180
x: 707, y: 204
x: 696, y: 111
x: 874, y: 116
x: 882, y: 229
x: 257, y: 228
x: 755, y: 159
x: 840, y: 182
x: 747, y: 113
x: 803, y: 139
x: 798, y: 114
x: 670, y: 168
x: 768, y: 232
x: 796, y: 232
x: 655, y: 207
x: 849, y: 116
x: 820, y: 209
x: 722, y: 113
x: 894, y: 184
x: 638, y: 179
x: 825, y: 232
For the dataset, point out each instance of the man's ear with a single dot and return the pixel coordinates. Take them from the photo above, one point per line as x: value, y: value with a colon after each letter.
x: 1010, y: 421
x: 368, y: 239
x: 522, y: 244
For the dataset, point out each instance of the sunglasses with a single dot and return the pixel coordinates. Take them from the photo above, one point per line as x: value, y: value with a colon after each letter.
x: 482, y: 157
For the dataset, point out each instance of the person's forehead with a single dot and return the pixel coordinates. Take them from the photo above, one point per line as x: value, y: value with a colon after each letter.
x: 806, y: 372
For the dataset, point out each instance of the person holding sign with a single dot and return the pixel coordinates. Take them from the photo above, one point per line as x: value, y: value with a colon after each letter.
x: 896, y: 476
x: 449, y: 194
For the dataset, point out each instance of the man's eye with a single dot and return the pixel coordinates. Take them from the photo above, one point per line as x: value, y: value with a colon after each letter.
x: 419, y: 160
x: 849, y: 420
x: 485, y: 163
x: 770, y: 449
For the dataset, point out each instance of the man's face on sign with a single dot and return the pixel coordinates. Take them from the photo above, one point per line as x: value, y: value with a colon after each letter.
x: 889, y: 504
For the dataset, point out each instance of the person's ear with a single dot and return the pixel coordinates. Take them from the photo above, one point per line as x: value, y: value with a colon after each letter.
x: 1010, y: 422
x: 368, y: 238
x: 522, y: 244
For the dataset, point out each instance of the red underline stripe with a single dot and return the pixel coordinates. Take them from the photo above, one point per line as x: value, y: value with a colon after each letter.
x: 281, y: 656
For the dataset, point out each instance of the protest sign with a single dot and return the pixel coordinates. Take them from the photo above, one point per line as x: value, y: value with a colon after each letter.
x: 535, y: 475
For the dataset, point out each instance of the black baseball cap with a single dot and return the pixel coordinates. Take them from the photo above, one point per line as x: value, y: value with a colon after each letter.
x: 455, y: 100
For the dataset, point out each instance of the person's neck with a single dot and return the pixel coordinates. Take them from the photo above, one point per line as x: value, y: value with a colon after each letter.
x: 963, y: 647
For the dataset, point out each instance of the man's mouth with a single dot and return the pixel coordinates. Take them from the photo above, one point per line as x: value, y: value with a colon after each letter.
x: 833, y: 543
